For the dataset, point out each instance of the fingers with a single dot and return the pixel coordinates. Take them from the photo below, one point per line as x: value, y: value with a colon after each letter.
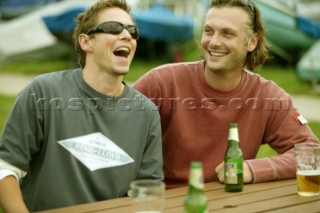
x: 247, y: 173
x: 220, y: 172
x: 219, y: 167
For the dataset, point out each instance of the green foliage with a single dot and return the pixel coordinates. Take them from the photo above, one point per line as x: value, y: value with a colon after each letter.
x: 267, y: 151
x: 35, y: 66
x: 5, y: 107
x: 285, y: 77
x: 139, y: 67
x: 315, y: 126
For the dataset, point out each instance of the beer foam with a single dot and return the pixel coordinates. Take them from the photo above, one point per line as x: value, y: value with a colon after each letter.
x: 309, y: 172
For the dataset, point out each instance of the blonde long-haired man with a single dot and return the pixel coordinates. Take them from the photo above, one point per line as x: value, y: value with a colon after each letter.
x: 198, y: 100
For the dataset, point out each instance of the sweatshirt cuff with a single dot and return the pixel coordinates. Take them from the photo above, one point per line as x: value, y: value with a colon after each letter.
x: 6, y: 169
x: 262, y: 170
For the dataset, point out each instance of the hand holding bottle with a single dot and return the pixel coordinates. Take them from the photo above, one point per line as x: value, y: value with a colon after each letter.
x: 247, y: 174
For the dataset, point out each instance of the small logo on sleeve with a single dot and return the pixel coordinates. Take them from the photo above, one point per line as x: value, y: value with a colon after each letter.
x: 299, y: 118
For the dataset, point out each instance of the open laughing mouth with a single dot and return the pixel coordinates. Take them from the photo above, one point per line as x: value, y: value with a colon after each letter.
x: 122, y: 52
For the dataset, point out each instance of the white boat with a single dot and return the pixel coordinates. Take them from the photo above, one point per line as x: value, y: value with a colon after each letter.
x: 18, y: 38
x: 308, y: 68
x: 29, y: 32
x: 306, y: 8
x: 309, y: 8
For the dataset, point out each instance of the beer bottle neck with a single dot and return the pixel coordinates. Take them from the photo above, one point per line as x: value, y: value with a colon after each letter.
x: 233, y: 134
x: 233, y: 143
x: 195, y: 191
x: 196, y: 179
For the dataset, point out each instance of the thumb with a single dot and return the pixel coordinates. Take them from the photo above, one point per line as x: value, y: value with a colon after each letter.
x: 219, y: 167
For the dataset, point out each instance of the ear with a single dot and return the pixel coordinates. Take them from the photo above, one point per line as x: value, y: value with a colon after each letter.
x: 85, y: 42
x: 253, y: 42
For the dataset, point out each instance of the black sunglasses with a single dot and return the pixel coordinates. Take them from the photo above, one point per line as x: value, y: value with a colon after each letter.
x: 115, y: 28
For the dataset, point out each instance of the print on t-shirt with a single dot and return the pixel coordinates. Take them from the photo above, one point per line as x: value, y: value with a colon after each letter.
x: 96, y: 151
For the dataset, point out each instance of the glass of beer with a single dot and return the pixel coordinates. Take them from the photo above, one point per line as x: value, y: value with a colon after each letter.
x: 308, y: 168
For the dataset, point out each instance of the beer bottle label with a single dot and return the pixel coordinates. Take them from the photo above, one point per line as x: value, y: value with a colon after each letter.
x: 231, y: 173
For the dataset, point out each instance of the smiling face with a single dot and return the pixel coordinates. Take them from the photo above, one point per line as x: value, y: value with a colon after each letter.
x: 107, y: 52
x: 224, y: 42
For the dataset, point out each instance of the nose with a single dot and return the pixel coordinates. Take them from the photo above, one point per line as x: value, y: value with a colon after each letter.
x: 215, y: 40
x: 125, y: 34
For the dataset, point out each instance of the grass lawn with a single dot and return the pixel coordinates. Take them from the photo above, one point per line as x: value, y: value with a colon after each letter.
x: 265, y: 150
x: 5, y: 107
x: 284, y: 77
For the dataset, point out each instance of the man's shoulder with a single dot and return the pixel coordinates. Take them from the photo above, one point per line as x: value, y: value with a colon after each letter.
x: 141, y: 98
x: 175, y: 71
x: 58, y: 75
x: 176, y: 67
x: 268, y: 87
x: 54, y: 81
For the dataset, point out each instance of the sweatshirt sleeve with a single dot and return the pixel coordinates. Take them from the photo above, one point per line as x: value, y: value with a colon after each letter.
x: 284, y: 129
x: 23, y: 133
x: 152, y: 162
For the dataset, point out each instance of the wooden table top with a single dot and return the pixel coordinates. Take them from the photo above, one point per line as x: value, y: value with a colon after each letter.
x: 274, y: 196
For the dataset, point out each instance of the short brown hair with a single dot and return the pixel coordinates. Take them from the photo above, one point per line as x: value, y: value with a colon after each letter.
x: 261, y: 52
x: 88, y: 19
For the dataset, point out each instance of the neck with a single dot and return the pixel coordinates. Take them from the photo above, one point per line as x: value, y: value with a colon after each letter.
x: 104, y: 82
x: 223, y: 81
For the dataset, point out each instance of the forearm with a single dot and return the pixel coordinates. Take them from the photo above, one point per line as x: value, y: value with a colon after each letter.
x: 11, y: 200
x: 274, y: 168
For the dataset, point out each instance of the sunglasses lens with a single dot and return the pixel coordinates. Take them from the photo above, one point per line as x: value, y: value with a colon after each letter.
x: 113, y: 28
x: 133, y: 31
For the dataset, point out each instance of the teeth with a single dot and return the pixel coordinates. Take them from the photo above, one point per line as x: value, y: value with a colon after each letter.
x: 126, y: 49
x: 217, y: 54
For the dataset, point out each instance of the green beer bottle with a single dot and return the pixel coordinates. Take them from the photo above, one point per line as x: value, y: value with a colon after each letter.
x: 196, y: 200
x: 233, y: 162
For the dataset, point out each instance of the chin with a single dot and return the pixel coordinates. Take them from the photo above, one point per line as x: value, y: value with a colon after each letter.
x: 122, y: 72
x: 212, y: 65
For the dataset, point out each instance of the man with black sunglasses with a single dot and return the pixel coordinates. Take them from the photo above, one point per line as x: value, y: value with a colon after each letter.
x: 82, y: 135
x: 198, y: 100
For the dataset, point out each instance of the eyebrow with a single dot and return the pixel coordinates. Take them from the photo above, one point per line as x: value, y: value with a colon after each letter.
x: 223, y: 28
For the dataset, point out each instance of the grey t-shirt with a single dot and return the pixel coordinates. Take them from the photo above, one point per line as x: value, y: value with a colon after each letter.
x: 77, y: 145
